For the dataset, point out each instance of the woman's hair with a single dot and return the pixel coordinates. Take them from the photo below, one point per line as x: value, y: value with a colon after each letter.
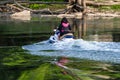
x: 64, y: 19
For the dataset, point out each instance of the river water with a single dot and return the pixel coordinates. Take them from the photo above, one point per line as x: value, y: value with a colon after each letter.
x: 100, y: 42
x: 96, y: 42
x: 78, y: 48
x: 100, y: 38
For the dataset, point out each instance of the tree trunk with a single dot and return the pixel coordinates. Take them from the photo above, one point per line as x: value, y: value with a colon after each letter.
x: 71, y: 2
x: 78, y: 2
x: 83, y: 3
x: 75, y: 6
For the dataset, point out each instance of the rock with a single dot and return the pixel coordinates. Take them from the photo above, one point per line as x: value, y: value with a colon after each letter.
x: 23, y: 15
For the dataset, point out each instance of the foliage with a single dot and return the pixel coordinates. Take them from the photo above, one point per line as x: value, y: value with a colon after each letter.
x: 47, y: 0
x: 34, y: 6
x: 50, y: 6
x: 104, y: 8
x: 108, y: 8
x: 115, y: 7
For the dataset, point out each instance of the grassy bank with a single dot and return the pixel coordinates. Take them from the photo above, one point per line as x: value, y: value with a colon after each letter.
x: 49, y: 6
x: 113, y: 8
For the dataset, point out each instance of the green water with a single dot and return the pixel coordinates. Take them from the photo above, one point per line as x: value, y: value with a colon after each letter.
x: 19, y: 64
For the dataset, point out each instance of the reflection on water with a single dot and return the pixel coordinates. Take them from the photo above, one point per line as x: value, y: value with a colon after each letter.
x: 38, y: 29
x: 97, y: 29
x: 19, y: 32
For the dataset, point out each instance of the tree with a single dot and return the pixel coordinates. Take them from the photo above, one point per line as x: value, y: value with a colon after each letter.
x: 76, y: 6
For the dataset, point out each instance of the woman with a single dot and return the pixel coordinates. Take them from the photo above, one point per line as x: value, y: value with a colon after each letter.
x: 63, y: 31
x: 64, y: 27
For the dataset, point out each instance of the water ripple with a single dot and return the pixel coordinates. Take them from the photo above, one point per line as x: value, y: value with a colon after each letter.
x: 93, y: 50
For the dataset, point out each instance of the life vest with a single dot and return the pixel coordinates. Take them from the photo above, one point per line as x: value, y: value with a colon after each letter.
x: 65, y: 27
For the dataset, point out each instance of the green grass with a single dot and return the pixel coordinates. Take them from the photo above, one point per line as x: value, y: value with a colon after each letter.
x: 47, y: 0
x: 50, y: 6
x: 110, y: 8
x: 115, y: 7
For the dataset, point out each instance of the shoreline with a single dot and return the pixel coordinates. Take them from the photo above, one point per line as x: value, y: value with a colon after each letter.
x: 27, y: 16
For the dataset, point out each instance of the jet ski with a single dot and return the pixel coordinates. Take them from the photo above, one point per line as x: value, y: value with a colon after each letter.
x: 55, y: 38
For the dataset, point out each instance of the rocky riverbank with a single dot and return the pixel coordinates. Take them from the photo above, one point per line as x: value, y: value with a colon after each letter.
x: 94, y: 8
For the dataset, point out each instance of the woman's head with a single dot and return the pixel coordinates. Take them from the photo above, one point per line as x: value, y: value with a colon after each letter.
x: 64, y: 19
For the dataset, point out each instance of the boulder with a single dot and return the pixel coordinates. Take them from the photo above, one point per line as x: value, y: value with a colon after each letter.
x: 23, y: 15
